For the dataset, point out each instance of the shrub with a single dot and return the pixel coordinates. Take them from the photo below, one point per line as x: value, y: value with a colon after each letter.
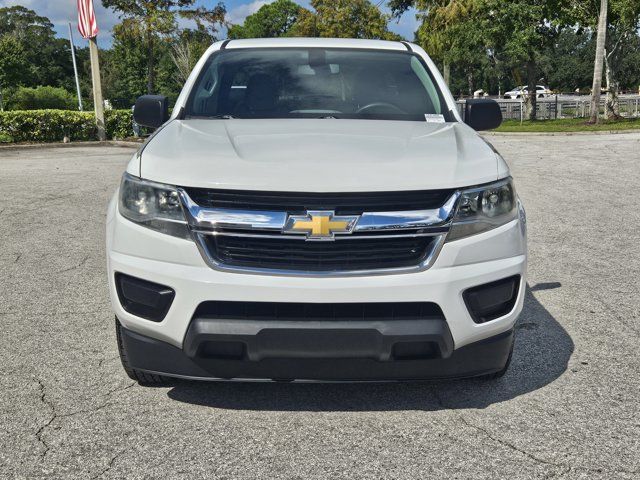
x: 4, y: 138
x: 53, y: 125
x: 118, y: 123
x: 25, y: 98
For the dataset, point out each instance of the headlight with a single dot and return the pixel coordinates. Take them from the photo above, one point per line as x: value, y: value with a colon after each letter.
x: 483, y: 208
x: 152, y: 205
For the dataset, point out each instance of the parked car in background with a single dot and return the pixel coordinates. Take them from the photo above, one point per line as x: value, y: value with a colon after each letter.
x: 522, y: 91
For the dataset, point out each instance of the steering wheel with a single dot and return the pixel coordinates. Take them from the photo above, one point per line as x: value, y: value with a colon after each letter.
x: 384, y: 105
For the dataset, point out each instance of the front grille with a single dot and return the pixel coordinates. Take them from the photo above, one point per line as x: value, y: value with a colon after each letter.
x: 298, y: 202
x: 317, y: 311
x: 353, y: 254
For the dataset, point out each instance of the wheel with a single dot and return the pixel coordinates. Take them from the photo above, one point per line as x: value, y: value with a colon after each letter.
x: 541, y: 96
x: 143, y: 378
x: 500, y: 373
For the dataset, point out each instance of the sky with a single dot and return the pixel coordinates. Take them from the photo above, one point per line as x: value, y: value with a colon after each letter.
x: 60, y: 12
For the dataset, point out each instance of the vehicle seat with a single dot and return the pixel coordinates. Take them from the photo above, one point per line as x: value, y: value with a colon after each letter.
x: 261, y: 96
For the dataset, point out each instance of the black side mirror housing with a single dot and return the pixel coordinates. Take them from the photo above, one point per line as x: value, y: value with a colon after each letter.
x: 151, y: 110
x: 482, y: 114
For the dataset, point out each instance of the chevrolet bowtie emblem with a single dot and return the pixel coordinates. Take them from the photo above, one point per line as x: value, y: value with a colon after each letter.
x: 321, y: 225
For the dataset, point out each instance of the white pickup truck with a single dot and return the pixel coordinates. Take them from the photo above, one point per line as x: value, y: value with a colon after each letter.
x: 316, y: 209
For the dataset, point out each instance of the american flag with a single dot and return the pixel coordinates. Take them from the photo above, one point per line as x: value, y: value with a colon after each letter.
x: 87, y: 24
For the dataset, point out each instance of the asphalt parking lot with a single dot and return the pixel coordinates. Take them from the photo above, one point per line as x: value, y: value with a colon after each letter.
x: 568, y: 408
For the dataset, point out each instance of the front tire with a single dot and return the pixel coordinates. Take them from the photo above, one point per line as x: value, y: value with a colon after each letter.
x: 143, y: 378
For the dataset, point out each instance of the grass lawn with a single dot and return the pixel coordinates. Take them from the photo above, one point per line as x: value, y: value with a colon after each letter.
x: 568, y: 125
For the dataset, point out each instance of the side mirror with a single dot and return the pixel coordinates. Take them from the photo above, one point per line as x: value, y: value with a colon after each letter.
x: 482, y: 114
x: 151, y: 110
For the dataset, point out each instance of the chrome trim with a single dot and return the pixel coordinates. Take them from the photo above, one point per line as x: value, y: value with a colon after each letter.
x: 424, y: 265
x: 300, y: 237
x: 374, y: 221
x: 212, y: 218
x: 204, y: 222
x: 228, y: 218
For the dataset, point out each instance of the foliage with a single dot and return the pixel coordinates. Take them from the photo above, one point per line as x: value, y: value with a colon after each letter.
x: 124, y: 67
x: 46, y: 58
x: 343, y: 19
x: 53, y: 125
x: 449, y: 32
x: 567, y: 65
x: 152, y: 22
x: 271, y: 20
x: 12, y: 61
x: 42, y: 97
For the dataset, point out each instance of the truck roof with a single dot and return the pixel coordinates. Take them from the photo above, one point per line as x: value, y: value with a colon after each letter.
x: 315, y: 42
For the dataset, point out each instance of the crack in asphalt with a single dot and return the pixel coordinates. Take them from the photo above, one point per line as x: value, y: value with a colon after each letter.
x: 74, y: 267
x: 55, y: 415
x: 565, y: 468
x: 108, y: 467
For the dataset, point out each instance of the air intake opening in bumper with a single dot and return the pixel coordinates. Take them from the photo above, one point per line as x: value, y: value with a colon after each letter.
x: 142, y: 298
x: 492, y: 300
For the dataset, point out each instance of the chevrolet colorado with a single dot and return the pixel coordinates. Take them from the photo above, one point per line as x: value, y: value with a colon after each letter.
x: 316, y: 209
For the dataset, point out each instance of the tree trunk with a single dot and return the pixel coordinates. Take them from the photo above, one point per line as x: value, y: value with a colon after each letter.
x: 611, y: 105
x: 447, y: 73
x: 598, y: 64
x: 532, y: 99
x: 470, y: 83
x: 150, y: 64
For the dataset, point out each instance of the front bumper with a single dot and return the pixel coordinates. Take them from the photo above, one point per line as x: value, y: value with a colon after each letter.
x: 163, y: 347
x: 479, y: 358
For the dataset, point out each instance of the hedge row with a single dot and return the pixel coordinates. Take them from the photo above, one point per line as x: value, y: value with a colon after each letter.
x: 54, y: 125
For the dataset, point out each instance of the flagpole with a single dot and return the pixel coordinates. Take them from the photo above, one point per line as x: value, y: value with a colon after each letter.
x: 75, y: 68
x: 97, y: 88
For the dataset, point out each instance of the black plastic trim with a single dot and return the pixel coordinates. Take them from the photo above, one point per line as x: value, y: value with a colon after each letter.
x: 145, y: 299
x: 407, y: 46
x: 224, y: 44
x: 480, y: 358
x: 499, y: 307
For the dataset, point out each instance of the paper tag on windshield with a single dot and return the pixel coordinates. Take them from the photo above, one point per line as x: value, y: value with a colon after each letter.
x: 434, y: 118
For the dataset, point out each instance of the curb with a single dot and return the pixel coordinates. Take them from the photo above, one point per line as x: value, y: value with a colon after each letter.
x: 113, y: 143
x: 560, y: 134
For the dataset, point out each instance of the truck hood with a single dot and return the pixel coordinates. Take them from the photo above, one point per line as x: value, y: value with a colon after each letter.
x: 318, y: 155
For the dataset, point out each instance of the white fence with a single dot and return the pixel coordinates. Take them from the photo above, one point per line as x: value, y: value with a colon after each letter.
x: 562, y: 106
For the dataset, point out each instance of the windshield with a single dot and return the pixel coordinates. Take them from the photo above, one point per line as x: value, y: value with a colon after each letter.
x: 315, y: 83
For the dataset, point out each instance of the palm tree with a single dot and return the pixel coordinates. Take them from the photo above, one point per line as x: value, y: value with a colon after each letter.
x: 597, y: 68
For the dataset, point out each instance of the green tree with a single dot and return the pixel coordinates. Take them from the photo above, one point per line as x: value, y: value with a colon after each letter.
x: 568, y: 63
x: 156, y: 20
x: 449, y: 33
x: 616, y: 24
x: 521, y: 30
x: 271, y: 20
x: 12, y: 61
x: 125, y: 66
x: 47, y: 58
x: 343, y: 19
